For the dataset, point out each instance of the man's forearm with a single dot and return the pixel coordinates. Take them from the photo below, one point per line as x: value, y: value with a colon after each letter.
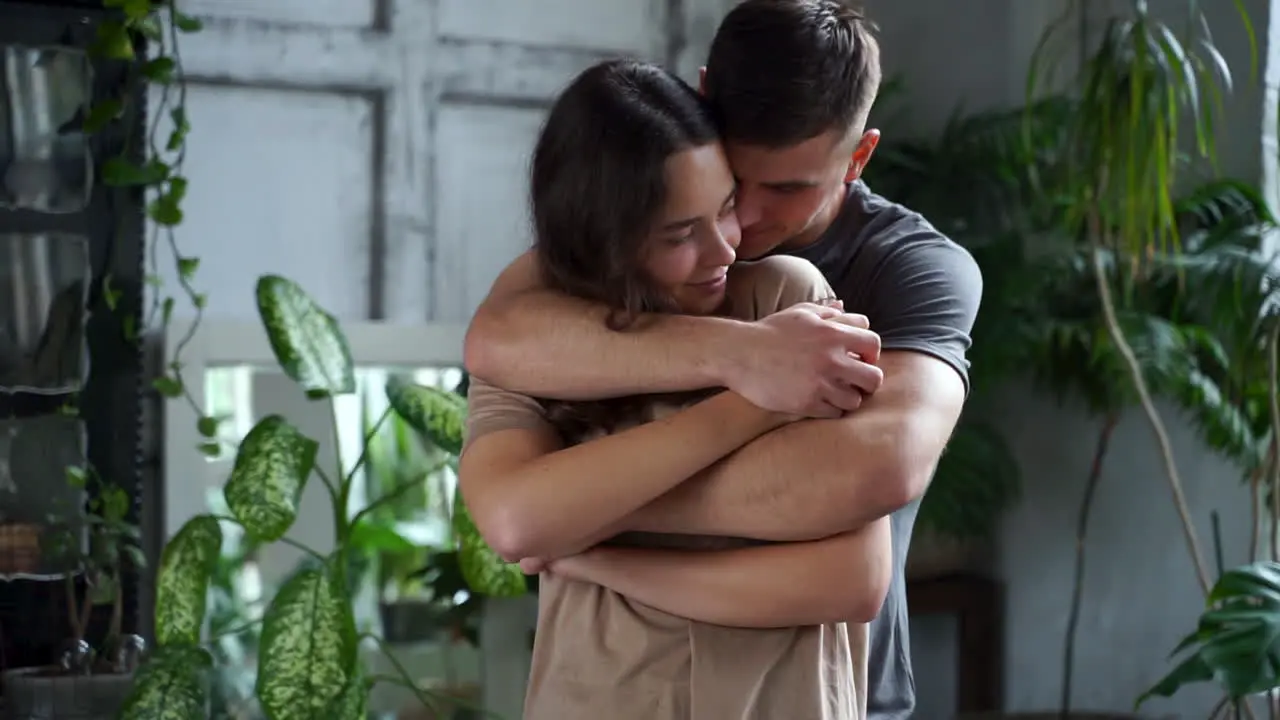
x: 550, y: 345
x: 816, y: 478
x: 789, y: 485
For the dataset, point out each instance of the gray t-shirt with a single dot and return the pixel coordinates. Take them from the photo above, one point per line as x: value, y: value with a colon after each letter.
x: 921, y: 292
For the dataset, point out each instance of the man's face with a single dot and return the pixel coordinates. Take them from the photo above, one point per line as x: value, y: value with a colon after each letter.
x: 787, y: 197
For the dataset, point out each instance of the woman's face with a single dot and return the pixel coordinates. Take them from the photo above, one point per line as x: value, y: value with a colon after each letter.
x: 696, y: 234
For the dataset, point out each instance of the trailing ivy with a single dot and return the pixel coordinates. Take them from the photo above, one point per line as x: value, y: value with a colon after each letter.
x: 145, y: 34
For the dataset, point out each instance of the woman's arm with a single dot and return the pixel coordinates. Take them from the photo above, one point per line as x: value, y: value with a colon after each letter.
x: 529, y: 338
x: 531, y: 497
x: 843, y: 578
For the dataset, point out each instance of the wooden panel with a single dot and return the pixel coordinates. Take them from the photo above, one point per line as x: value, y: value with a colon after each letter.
x: 286, y: 185
x: 616, y: 25
x: 333, y: 13
x: 482, y: 206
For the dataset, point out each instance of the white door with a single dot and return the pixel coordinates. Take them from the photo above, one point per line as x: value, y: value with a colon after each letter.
x: 376, y: 150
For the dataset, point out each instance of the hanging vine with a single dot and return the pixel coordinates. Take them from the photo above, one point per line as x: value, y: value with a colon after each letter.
x: 145, y: 34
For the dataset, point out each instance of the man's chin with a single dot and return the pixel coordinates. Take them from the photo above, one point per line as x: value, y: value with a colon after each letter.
x: 754, y: 249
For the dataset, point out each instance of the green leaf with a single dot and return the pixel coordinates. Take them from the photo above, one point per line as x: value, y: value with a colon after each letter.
x: 306, y: 340
x: 182, y: 582
x: 165, y: 211
x: 181, y: 126
x: 159, y: 70
x: 270, y: 473
x: 187, y: 23
x: 439, y: 415
x: 371, y: 535
x: 168, y: 386
x: 1237, y: 642
x: 307, y: 645
x: 352, y: 703
x: 101, y: 114
x: 113, y: 42
x: 1191, y: 670
x: 170, y: 686
x: 119, y: 172
x: 207, y: 426
x: 187, y: 267
x: 77, y: 477
x: 485, y: 571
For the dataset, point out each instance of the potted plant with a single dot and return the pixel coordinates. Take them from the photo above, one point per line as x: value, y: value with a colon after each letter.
x: 1067, y: 295
x: 91, y: 680
x: 308, y: 659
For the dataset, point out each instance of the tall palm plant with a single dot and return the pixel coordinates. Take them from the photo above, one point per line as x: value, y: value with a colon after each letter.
x: 1146, y: 93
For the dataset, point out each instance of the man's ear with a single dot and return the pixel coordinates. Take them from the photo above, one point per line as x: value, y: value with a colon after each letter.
x: 862, y: 154
x: 702, y: 80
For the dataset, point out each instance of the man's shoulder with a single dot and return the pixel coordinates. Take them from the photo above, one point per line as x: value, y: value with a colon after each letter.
x: 892, y: 244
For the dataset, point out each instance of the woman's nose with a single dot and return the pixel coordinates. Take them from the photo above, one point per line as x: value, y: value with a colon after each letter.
x: 722, y: 250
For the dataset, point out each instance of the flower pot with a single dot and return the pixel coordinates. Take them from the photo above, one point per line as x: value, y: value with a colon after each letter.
x: 19, y: 548
x: 405, y: 621
x: 43, y: 693
x: 934, y: 555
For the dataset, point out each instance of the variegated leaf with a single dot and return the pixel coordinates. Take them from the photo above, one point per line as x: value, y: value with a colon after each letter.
x: 484, y: 570
x: 308, y: 643
x: 437, y: 414
x: 170, y: 686
x: 307, y: 341
x: 182, y: 583
x: 266, y: 483
x: 353, y: 703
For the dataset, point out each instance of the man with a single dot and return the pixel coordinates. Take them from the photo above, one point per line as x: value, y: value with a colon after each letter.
x: 791, y: 82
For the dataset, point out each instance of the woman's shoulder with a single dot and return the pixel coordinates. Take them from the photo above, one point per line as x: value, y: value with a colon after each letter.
x: 761, y: 287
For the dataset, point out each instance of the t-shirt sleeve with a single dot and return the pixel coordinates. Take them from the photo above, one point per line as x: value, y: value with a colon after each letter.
x: 491, y: 409
x: 925, y: 298
x: 762, y: 287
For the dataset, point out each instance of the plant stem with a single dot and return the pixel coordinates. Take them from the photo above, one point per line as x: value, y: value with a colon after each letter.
x: 1077, y: 586
x: 117, y: 612
x: 77, y: 631
x: 342, y: 527
x: 1273, y: 384
x: 300, y: 546
x: 1153, y: 416
x: 424, y: 696
x: 397, y: 491
x: 364, y: 450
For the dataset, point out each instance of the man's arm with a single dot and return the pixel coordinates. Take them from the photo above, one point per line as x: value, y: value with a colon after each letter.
x: 532, y: 340
x: 783, y: 585
x: 815, y: 478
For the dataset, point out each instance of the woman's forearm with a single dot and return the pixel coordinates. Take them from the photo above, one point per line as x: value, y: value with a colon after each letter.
x: 563, y: 501
x: 843, y: 578
x: 534, y: 342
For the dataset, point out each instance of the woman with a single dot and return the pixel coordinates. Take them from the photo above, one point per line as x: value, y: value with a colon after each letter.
x: 632, y: 205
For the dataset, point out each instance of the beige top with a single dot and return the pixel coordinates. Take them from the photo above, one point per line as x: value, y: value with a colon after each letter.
x: 601, y: 656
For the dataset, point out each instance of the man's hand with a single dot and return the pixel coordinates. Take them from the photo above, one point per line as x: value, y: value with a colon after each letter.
x: 810, y: 360
x: 533, y: 566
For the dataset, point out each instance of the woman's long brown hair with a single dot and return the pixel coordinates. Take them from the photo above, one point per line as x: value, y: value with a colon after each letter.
x: 597, y: 183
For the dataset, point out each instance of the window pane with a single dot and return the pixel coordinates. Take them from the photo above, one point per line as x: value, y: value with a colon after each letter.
x: 44, y: 155
x: 42, y: 298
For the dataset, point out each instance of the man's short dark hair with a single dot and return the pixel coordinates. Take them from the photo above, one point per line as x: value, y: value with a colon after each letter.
x: 784, y: 71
